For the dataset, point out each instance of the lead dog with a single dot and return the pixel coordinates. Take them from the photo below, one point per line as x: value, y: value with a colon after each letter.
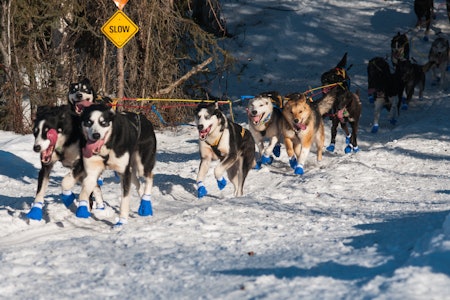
x: 57, y: 135
x: 303, y: 126
x: 223, y: 140
x: 124, y: 142
x: 265, y: 123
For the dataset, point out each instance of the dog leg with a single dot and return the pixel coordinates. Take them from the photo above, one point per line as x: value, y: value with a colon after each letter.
x: 89, y: 183
x: 36, y: 210
x: 320, y: 142
x: 393, y: 113
x: 235, y: 177
x: 334, y: 125
x: 145, y: 207
x: 202, y: 171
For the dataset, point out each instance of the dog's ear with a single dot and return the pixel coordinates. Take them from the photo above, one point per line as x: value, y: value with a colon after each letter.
x: 343, y: 62
x: 216, y: 105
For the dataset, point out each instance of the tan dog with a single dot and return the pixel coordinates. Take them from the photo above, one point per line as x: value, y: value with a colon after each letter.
x: 303, y: 126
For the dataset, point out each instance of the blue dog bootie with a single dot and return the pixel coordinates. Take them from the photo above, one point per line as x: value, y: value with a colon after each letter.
x: 145, y: 208
x: 221, y: 183
x: 258, y: 165
x: 82, y: 210
x: 299, y: 169
x: 67, y: 198
x: 348, y: 149
x: 375, y: 128
x: 266, y: 160
x: 201, y: 190
x: 36, y: 212
x: 330, y: 148
x: 277, y: 150
x: 347, y: 139
x: 293, y: 162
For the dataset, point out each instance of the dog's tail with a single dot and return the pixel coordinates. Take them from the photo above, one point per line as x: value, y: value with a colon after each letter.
x: 324, y: 105
x: 426, y: 67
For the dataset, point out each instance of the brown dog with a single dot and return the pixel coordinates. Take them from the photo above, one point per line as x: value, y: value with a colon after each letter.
x: 303, y: 126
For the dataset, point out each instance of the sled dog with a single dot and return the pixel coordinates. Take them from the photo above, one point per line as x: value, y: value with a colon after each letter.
x: 82, y: 94
x: 385, y: 88
x: 303, y: 126
x: 438, y: 61
x: 424, y: 11
x: 399, y: 48
x: 124, y: 142
x: 57, y: 135
x: 223, y: 140
x: 265, y: 123
x: 346, y: 107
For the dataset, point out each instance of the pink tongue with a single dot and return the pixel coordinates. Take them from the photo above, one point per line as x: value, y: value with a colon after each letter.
x: 256, y: 119
x: 203, y: 133
x: 92, y: 148
x: 52, y: 135
x: 300, y: 126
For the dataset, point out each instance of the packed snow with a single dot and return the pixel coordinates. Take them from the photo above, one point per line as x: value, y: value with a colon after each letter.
x: 368, y: 225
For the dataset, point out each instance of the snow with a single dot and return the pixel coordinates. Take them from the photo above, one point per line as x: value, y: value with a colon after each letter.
x: 369, y: 225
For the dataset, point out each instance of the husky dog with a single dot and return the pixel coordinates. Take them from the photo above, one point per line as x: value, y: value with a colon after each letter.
x: 346, y: 107
x: 57, y: 138
x: 265, y: 122
x: 303, y: 126
x: 438, y: 60
x: 223, y: 140
x: 124, y: 142
x: 399, y: 48
x: 82, y: 94
x: 424, y: 9
x: 386, y: 88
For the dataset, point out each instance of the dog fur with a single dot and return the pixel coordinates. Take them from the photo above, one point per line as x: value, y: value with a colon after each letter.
x: 424, y: 10
x: 303, y: 126
x: 82, y: 94
x: 124, y: 142
x: 438, y: 61
x: 265, y: 123
x: 399, y: 48
x: 346, y: 107
x: 223, y: 140
x: 57, y: 135
x: 386, y: 88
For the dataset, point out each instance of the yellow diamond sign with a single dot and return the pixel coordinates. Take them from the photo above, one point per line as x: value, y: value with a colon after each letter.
x: 119, y: 29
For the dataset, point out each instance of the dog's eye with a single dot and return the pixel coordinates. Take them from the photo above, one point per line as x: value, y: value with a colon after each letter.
x: 87, y: 123
x: 104, y: 123
x: 207, y: 117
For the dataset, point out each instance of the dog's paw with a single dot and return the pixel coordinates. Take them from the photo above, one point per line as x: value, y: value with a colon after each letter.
x: 266, y: 160
x: 371, y: 99
x: 293, y: 162
x: 277, y: 150
x: 404, y: 106
x: 221, y: 183
x: 299, y: 170
x: 36, y: 212
x: 145, y: 208
x: 82, y: 210
x: 257, y: 165
x: 330, y: 148
x: 356, y: 149
x: 68, y: 199
x: 100, y: 181
x: 120, y: 224
x: 393, y: 121
x: 375, y: 128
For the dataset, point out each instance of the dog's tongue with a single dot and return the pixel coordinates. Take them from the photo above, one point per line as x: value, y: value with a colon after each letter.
x: 203, y: 133
x: 52, y: 135
x: 92, y: 147
x: 300, y: 126
x: 256, y: 119
x: 82, y: 104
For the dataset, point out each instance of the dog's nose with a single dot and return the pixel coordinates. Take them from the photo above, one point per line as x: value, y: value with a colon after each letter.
x: 79, y: 95
x: 254, y: 112
x: 296, y: 120
x: 37, y: 148
x: 96, y: 136
x: 200, y: 127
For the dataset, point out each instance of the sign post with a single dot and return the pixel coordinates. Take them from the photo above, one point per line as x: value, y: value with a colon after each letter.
x: 119, y: 29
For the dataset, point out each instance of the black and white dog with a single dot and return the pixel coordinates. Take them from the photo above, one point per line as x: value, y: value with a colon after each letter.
x: 265, y: 123
x: 223, y: 140
x: 57, y: 134
x: 386, y: 88
x: 438, y: 61
x: 82, y: 94
x: 124, y: 142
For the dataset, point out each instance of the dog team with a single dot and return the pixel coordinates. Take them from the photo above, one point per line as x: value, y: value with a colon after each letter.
x: 87, y: 136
